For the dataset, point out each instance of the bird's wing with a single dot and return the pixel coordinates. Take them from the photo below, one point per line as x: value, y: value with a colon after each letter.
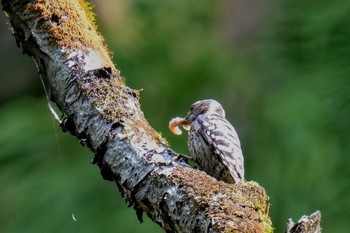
x: 223, y: 140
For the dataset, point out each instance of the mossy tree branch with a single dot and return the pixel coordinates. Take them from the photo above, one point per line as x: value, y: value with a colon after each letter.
x: 103, y: 113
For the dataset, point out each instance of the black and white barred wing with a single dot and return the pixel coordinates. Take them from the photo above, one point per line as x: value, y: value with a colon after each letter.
x: 224, y: 143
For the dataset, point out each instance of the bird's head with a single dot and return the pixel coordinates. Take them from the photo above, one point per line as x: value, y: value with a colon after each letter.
x: 208, y: 106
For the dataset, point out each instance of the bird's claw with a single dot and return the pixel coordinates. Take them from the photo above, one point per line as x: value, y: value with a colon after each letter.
x: 185, y: 158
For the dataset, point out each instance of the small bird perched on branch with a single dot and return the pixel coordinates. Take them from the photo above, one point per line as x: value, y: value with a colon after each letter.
x: 212, y: 141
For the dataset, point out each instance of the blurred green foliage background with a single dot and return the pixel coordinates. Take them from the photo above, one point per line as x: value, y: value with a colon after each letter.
x: 280, y: 69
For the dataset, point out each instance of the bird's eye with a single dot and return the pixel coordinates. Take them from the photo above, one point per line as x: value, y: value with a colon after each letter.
x: 191, y: 108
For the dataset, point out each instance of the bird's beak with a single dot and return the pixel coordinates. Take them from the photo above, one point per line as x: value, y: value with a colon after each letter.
x: 186, y: 123
x: 187, y: 119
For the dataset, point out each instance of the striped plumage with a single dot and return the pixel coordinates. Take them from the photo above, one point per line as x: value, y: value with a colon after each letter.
x: 214, y: 143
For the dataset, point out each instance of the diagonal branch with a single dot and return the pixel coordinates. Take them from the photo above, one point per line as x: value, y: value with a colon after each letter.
x: 105, y: 115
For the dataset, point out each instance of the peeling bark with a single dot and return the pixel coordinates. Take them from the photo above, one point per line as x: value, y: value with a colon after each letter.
x: 105, y: 115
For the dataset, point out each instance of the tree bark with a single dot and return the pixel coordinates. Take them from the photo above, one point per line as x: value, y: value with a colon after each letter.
x: 310, y: 224
x: 105, y: 114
